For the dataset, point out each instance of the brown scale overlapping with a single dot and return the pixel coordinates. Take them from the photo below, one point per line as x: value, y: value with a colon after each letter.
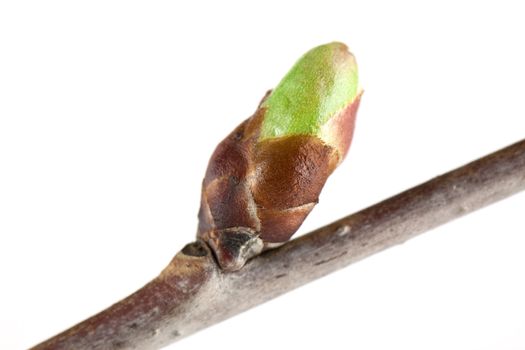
x: 256, y: 193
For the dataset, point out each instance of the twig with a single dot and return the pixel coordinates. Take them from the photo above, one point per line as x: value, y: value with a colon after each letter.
x: 192, y: 293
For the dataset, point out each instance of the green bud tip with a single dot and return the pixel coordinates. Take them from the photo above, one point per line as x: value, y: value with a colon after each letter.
x: 323, y: 82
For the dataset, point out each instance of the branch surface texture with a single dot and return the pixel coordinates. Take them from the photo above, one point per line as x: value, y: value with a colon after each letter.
x: 192, y: 292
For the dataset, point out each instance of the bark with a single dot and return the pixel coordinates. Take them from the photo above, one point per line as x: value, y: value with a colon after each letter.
x: 192, y: 292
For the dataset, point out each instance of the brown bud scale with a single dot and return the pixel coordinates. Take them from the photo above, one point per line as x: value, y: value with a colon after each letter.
x: 256, y: 193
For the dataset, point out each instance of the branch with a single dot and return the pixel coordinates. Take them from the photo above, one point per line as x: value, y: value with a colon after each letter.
x: 192, y: 293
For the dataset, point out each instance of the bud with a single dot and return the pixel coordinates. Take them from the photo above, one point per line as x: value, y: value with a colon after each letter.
x: 266, y: 176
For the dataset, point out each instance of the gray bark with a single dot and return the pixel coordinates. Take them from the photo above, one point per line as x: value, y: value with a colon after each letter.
x: 192, y: 293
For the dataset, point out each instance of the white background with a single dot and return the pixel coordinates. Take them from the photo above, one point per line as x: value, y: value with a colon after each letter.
x: 109, y: 111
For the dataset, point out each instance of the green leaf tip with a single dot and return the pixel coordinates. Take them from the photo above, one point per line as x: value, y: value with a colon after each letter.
x: 320, y: 84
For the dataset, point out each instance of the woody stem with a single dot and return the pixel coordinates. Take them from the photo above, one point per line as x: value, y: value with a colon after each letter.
x: 192, y: 292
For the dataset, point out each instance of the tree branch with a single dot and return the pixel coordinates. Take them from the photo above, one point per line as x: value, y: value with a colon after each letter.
x: 192, y: 293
